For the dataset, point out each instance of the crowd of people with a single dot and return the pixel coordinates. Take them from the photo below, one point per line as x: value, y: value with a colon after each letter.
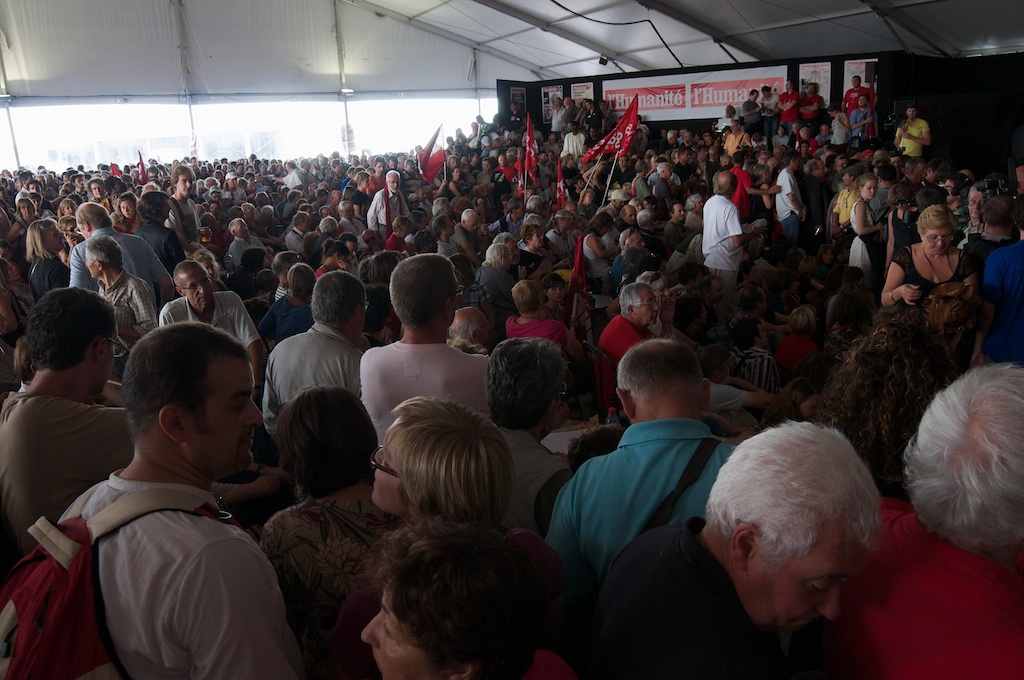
x: 806, y: 332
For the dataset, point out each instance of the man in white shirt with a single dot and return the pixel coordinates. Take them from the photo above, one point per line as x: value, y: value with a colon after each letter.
x: 724, y: 238
x: 326, y: 354
x: 425, y: 295
x: 574, y: 142
x: 183, y: 218
x: 243, y: 239
x: 189, y: 595
x: 788, y: 203
x: 387, y: 204
x: 222, y: 309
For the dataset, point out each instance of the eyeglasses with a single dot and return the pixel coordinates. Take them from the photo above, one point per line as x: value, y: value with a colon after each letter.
x: 119, y: 348
x: 459, y: 290
x: 939, y: 239
x: 650, y: 301
x: 197, y: 285
x: 376, y: 462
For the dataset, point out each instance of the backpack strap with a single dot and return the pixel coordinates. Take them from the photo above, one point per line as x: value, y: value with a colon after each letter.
x: 112, y: 517
x: 691, y: 472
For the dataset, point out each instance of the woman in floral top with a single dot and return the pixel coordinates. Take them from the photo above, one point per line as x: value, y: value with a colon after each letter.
x: 318, y: 546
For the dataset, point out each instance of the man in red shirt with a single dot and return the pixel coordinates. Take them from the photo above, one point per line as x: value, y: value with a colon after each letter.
x: 789, y: 102
x: 810, y: 104
x: 640, y: 309
x: 745, y: 187
x: 852, y: 95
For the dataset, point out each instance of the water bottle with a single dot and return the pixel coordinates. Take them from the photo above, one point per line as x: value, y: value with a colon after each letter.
x: 612, y: 418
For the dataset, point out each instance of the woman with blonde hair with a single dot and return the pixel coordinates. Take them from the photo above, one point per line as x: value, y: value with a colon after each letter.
x: 497, y: 282
x: 44, y: 244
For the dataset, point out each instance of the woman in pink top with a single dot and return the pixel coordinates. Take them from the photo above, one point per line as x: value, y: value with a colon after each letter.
x: 534, y: 322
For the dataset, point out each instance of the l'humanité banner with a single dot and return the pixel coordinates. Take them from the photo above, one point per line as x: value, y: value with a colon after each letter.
x: 691, y: 95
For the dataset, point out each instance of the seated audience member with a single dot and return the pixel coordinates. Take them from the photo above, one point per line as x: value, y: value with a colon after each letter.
x: 638, y: 306
x: 753, y: 362
x: 790, y: 517
x: 327, y: 354
x: 496, y: 281
x: 877, y: 395
x: 131, y: 297
x: 378, y: 315
x: 533, y: 321
x: 803, y: 322
x: 223, y: 309
x: 55, y: 442
x: 441, y: 587
x: 942, y: 597
x: 799, y: 401
x: 470, y: 331
x: 729, y: 393
x: 524, y: 394
x: 217, y: 609
x: 597, y: 440
x: 291, y: 314
x: 662, y: 394
x: 425, y: 294
x: 242, y: 280
x: 318, y: 546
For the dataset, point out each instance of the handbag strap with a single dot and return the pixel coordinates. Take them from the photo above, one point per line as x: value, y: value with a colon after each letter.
x: 691, y: 472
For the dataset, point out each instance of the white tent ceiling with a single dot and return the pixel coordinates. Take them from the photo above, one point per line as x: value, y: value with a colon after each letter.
x: 238, y: 49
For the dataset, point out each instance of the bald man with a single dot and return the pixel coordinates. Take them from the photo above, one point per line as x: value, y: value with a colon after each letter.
x: 470, y: 325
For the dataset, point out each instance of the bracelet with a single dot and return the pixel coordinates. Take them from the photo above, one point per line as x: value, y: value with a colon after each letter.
x: 892, y: 296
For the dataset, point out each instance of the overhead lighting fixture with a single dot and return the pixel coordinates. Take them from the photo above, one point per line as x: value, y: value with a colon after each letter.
x: 603, y: 61
x: 347, y: 90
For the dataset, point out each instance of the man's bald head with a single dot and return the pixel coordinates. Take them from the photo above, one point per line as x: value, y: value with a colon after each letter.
x: 470, y: 325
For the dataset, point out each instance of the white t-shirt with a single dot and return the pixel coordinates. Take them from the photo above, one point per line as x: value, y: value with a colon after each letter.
x: 228, y: 314
x: 721, y: 223
x: 191, y: 597
x: 389, y: 375
x: 783, y: 204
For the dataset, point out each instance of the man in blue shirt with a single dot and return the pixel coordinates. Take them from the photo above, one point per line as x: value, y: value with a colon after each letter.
x: 611, y: 498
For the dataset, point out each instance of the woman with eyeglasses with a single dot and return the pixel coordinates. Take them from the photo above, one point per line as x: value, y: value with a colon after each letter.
x: 318, y: 546
x: 441, y: 460
x: 918, y: 268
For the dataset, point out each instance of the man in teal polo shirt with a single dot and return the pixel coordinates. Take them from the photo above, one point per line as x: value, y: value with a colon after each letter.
x: 611, y: 498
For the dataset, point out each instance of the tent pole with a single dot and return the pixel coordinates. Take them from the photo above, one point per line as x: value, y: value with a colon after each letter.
x: 14, y: 139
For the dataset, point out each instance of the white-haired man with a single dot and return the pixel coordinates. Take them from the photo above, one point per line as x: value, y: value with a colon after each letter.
x: 942, y: 597
x: 387, y: 204
x: 790, y: 517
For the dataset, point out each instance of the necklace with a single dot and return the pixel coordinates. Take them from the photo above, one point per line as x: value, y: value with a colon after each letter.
x: 932, y: 267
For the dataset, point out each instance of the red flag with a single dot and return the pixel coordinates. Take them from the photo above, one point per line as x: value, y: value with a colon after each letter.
x: 432, y: 158
x: 618, y: 140
x: 560, y: 192
x: 143, y: 177
x: 114, y: 170
x: 530, y: 156
x: 578, y: 310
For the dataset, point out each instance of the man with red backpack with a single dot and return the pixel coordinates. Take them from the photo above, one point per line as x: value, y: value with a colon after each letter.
x: 183, y: 592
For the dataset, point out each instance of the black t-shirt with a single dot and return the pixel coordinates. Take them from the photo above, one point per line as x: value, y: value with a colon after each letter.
x: 361, y: 201
x: 499, y: 185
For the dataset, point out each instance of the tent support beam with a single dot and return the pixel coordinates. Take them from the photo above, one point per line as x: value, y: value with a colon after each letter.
x: 886, y: 11
x: 186, y: 72
x: 717, y: 34
x: 547, y: 27
x: 541, y: 72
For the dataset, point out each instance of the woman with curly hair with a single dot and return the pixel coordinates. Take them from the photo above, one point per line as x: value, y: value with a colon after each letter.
x: 879, y: 392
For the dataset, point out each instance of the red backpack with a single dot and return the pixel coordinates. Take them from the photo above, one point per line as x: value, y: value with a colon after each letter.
x: 55, y: 592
